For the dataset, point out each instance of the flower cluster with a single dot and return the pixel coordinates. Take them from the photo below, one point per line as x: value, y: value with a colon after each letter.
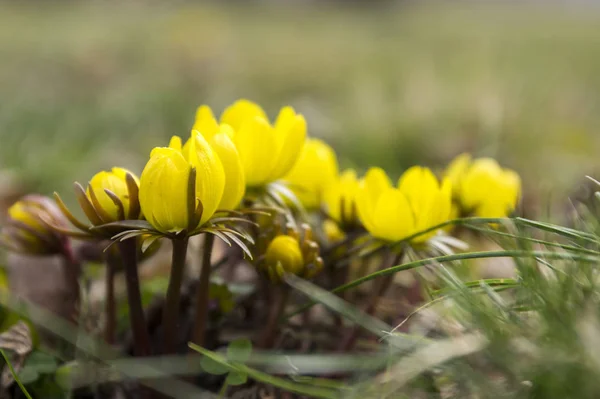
x: 235, y: 177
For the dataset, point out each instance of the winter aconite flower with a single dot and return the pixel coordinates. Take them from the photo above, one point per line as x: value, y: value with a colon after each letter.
x: 419, y: 202
x: 483, y: 188
x: 27, y: 228
x: 181, y: 187
x: 109, y: 193
x: 110, y: 196
x: 313, y: 173
x: 340, y: 199
x: 284, y: 252
x: 293, y: 253
x: 267, y: 151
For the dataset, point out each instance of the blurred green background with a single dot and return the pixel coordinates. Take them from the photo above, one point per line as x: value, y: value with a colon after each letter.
x: 88, y: 86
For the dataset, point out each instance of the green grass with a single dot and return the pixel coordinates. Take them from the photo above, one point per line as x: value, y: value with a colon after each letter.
x: 86, y: 87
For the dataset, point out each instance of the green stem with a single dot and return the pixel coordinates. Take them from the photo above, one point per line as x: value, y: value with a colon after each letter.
x: 277, y: 307
x: 351, y: 336
x: 71, y: 270
x: 223, y: 390
x: 141, y: 338
x: 112, y: 264
x: 171, y: 310
x: 203, y: 292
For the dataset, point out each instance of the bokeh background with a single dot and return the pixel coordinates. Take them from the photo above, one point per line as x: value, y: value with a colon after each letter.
x: 85, y: 86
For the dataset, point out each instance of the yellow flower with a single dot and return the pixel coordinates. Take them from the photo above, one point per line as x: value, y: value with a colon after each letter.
x: 106, y: 205
x: 340, y: 198
x: 267, y: 152
x: 26, y: 229
x: 315, y: 170
x: 220, y: 139
x: 294, y: 253
x: 284, y: 255
x: 165, y: 183
x: 393, y: 214
x: 483, y: 188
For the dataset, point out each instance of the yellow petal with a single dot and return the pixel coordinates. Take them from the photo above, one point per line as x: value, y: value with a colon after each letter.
x: 20, y: 212
x: 241, y: 111
x: 206, y: 123
x: 255, y: 142
x: 392, y: 217
x: 457, y: 169
x: 115, y: 182
x: 370, y: 189
x: 512, y: 188
x: 210, y: 176
x: 481, y: 182
x: 441, y: 210
x: 235, y: 182
x: 175, y: 143
x: 316, y: 169
x: 420, y: 186
x: 290, y: 134
x: 342, y: 193
x: 163, y: 190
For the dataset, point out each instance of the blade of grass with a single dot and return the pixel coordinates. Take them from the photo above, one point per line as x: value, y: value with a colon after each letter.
x: 301, y: 388
x: 14, y: 374
x: 452, y: 258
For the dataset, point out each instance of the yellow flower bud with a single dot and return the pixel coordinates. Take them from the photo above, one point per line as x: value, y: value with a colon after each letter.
x: 267, y: 152
x: 340, y: 199
x: 107, y: 206
x: 164, y: 190
x: 283, y: 256
x: 26, y: 229
x: 483, y: 188
x: 165, y: 196
x: 315, y: 170
x: 419, y: 202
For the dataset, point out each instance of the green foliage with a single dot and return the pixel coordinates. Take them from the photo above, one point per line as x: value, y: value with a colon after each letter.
x: 238, y: 351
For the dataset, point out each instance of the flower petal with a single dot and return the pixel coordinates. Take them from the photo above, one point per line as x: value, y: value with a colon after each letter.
x: 163, y: 190
x: 240, y: 111
x: 235, y: 181
x: 290, y: 133
x: 370, y: 189
x: 456, y: 171
x: 481, y: 182
x: 255, y: 142
x: 206, y: 123
x: 316, y: 169
x: 210, y: 176
x: 392, y: 216
x: 175, y: 143
x: 340, y: 197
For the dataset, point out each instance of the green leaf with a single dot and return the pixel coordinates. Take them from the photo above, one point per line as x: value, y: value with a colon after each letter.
x: 239, y: 350
x: 41, y: 362
x: 236, y: 378
x: 64, y: 374
x: 147, y: 243
x: 28, y: 375
x: 128, y: 224
x: 305, y: 389
x: 212, y: 366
